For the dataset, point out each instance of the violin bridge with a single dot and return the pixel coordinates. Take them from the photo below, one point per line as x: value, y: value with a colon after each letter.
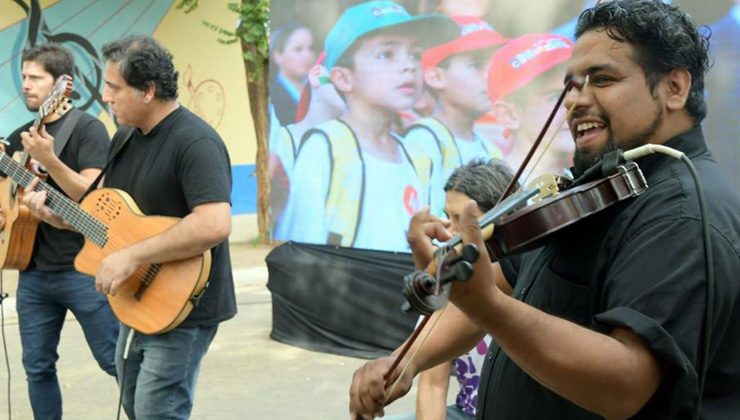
x: 547, y: 185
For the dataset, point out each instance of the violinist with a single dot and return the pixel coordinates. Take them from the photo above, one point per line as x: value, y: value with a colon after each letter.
x: 607, y: 318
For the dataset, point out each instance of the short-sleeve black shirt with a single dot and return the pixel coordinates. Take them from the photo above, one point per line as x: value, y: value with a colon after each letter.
x: 55, y: 249
x: 639, y: 265
x: 180, y: 164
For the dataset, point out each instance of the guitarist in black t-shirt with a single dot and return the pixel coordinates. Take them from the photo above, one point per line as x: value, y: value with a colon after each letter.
x: 49, y: 285
x: 172, y: 164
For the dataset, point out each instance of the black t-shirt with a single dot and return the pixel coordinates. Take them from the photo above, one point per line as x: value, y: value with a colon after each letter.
x: 87, y: 147
x: 180, y: 164
x: 639, y: 265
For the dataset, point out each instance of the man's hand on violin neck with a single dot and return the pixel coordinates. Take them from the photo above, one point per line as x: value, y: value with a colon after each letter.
x: 474, y: 297
x: 423, y: 228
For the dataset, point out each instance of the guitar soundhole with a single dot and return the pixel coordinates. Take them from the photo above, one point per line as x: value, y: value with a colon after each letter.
x: 107, y: 207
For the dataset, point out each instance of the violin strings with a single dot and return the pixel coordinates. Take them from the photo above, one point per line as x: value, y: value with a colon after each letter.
x: 552, y: 137
x: 544, y: 151
x: 415, y: 352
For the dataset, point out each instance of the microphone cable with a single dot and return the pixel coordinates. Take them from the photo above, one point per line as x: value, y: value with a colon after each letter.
x: 705, y: 338
x: 126, y: 350
x: 3, y: 296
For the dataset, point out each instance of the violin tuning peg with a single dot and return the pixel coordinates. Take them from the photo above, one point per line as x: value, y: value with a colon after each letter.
x: 470, y: 253
x: 406, y: 307
x: 463, y: 270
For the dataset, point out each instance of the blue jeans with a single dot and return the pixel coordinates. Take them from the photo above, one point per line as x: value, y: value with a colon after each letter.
x: 158, y: 378
x: 43, y: 299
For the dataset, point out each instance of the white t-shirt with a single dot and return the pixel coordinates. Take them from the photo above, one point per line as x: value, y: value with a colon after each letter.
x: 467, y: 150
x: 392, y: 194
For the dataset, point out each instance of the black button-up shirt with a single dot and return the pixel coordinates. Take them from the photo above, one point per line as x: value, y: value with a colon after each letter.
x: 640, y: 265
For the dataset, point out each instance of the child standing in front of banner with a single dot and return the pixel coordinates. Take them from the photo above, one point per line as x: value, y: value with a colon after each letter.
x: 354, y: 183
x: 319, y: 103
x: 524, y: 82
x: 455, y: 73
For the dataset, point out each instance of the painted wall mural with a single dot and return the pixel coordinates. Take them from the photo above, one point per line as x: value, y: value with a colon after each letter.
x: 212, y: 80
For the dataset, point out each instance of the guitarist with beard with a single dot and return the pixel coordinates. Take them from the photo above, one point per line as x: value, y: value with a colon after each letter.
x: 49, y: 285
x: 172, y: 164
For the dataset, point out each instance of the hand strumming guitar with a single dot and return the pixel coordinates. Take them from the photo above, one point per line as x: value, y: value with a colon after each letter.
x: 114, y: 270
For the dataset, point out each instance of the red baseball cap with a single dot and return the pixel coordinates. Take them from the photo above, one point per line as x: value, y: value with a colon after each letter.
x: 523, y: 59
x: 475, y: 34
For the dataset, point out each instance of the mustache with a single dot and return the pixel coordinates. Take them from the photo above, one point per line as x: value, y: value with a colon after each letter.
x: 582, y: 113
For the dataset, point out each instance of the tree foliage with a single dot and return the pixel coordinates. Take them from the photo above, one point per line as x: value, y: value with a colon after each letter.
x: 252, y: 28
x: 252, y: 33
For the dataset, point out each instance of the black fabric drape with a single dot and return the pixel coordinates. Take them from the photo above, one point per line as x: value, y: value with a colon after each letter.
x: 338, y: 300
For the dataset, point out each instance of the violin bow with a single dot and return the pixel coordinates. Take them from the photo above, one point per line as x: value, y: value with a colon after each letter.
x: 555, y: 133
x: 390, y: 386
x: 571, y: 83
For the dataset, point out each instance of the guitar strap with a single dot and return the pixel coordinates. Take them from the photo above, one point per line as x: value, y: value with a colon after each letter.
x: 113, y: 152
x: 65, y: 131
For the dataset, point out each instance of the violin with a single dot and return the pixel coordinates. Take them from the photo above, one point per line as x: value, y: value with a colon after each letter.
x: 523, y: 220
x: 518, y: 229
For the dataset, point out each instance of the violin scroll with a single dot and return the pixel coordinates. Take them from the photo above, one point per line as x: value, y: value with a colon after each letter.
x: 425, y: 294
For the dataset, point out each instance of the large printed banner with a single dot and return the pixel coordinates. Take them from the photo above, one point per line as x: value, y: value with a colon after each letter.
x: 374, y: 105
x: 217, y: 93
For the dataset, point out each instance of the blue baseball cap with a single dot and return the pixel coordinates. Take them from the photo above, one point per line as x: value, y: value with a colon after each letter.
x: 364, y: 18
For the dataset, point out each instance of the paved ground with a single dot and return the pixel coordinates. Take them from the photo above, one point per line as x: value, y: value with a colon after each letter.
x: 245, y: 374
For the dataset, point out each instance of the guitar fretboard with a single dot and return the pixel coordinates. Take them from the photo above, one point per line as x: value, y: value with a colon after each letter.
x: 92, y: 228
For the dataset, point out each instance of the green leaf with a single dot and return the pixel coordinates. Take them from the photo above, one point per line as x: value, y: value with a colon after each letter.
x: 252, y: 30
x: 188, y: 5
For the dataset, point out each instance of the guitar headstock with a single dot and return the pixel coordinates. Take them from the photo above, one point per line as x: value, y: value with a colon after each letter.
x: 57, y: 99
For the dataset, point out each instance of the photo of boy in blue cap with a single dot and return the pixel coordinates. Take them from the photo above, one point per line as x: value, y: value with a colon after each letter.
x: 354, y: 183
x: 455, y: 73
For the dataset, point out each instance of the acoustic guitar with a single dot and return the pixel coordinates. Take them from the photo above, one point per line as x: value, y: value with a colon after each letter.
x: 19, y: 233
x: 157, y: 297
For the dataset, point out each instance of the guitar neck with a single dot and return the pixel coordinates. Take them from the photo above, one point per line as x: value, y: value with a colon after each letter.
x: 61, y: 205
x: 39, y: 119
x: 25, y: 156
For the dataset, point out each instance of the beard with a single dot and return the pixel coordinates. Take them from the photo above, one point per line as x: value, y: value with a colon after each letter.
x: 33, y: 108
x: 583, y: 160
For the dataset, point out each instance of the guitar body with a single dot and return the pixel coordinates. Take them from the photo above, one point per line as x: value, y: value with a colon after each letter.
x: 19, y: 233
x: 157, y: 297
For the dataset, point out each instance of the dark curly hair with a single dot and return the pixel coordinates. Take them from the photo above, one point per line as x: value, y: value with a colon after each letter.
x: 664, y: 38
x: 54, y: 58
x: 143, y: 62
